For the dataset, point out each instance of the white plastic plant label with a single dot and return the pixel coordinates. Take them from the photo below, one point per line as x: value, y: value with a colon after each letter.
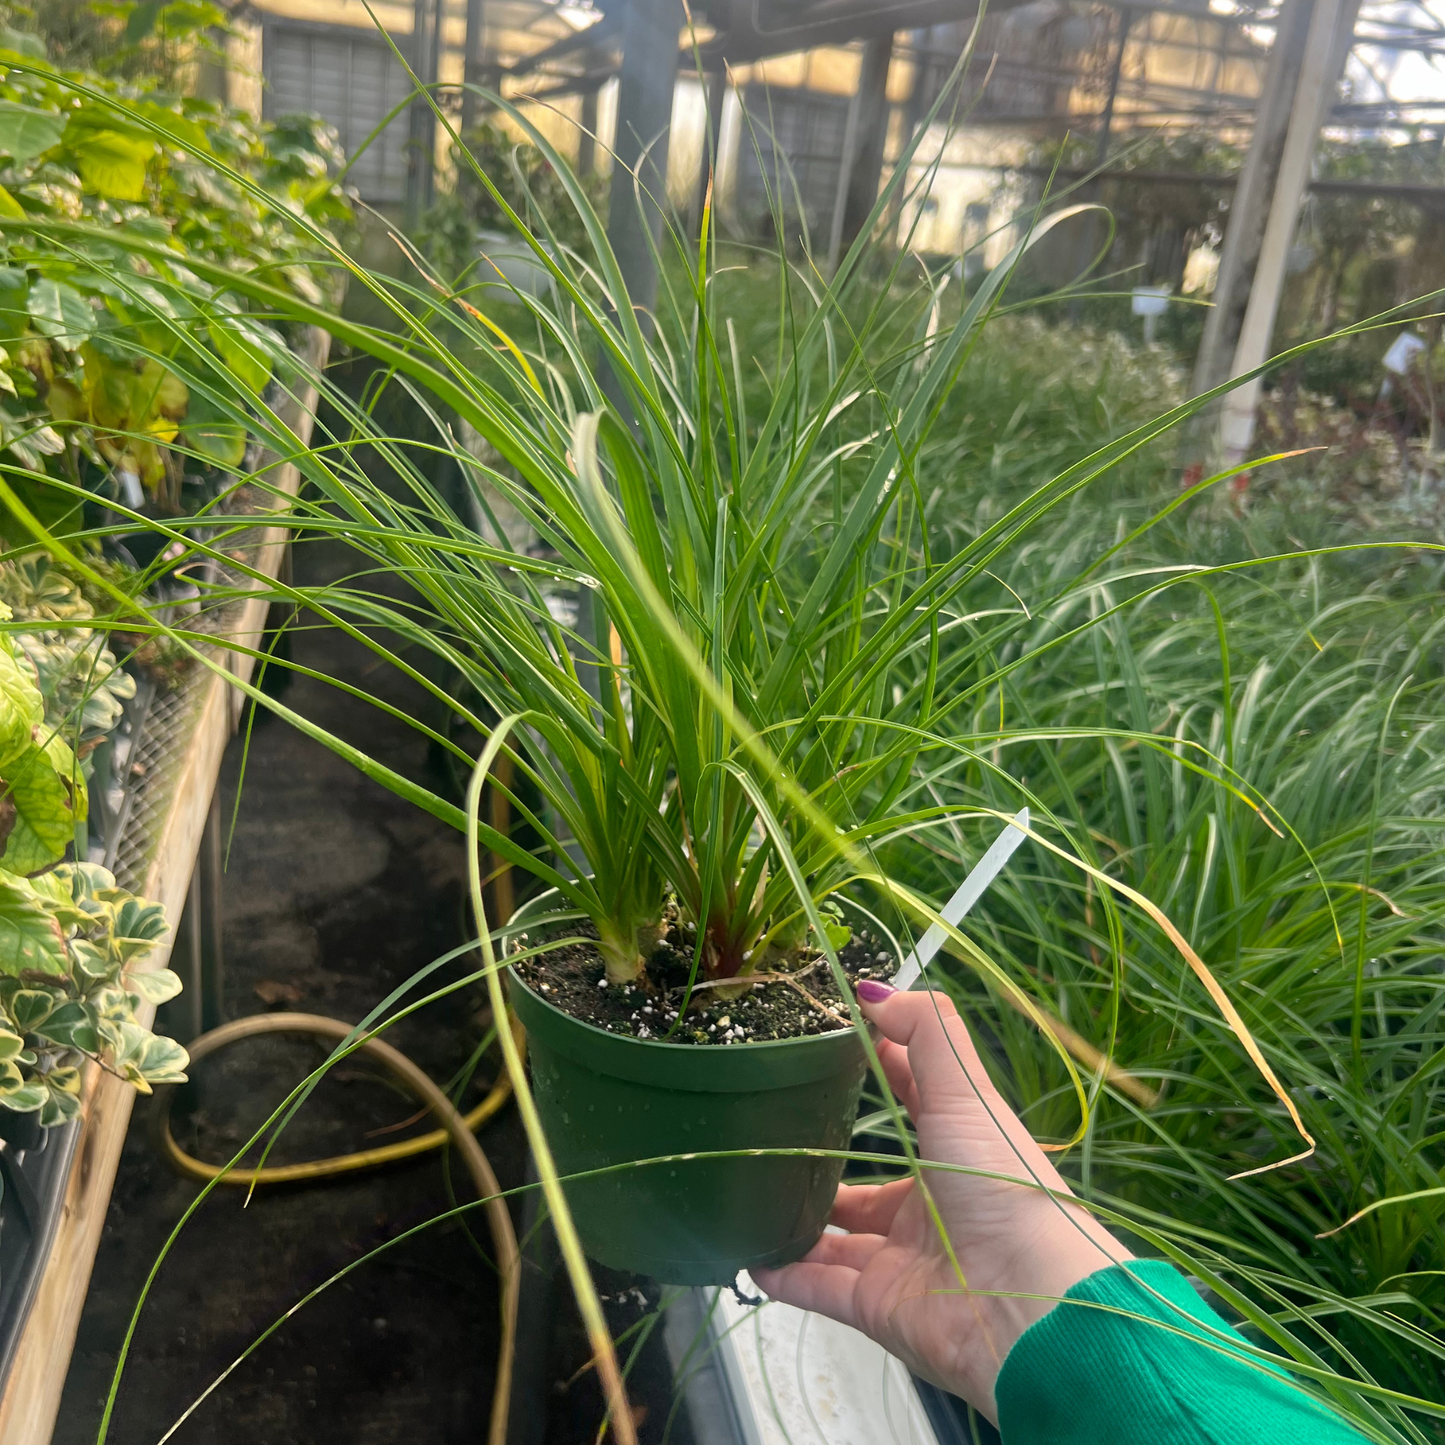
x: 968, y: 893
x: 1403, y: 350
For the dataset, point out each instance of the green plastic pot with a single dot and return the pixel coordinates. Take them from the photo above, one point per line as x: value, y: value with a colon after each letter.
x: 608, y: 1099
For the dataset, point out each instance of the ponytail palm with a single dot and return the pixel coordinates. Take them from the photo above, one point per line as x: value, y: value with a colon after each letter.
x: 769, y: 626
x: 767, y: 641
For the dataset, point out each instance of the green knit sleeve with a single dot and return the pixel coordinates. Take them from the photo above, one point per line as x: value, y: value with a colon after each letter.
x: 1088, y: 1376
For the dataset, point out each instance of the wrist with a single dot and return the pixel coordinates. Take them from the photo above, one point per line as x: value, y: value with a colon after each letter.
x: 1048, y: 1263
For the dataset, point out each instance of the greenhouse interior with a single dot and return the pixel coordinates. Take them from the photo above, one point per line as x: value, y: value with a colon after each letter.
x: 722, y: 723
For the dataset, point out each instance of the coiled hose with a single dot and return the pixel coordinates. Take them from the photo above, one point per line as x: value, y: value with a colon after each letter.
x: 457, y: 1127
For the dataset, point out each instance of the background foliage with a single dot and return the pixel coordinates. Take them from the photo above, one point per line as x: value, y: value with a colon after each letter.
x: 1241, y: 726
x: 85, y: 389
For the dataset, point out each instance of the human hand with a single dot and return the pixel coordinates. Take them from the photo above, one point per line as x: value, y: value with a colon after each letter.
x: 1018, y: 1248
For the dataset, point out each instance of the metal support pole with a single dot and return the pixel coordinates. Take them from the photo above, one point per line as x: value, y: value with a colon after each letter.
x: 867, y: 133
x: 1332, y: 28
x: 472, y: 62
x: 840, y: 198
x: 913, y: 112
x: 1249, y: 208
x: 645, y: 86
x: 1116, y: 71
x: 1093, y: 229
x: 421, y: 123
x: 918, y: 96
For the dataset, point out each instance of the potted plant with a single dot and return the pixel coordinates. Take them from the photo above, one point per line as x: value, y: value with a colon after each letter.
x: 705, y: 752
x: 82, y: 686
x: 705, y: 743
x: 70, y: 978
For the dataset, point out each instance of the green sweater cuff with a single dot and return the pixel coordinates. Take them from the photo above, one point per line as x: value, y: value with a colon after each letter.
x: 1088, y: 1375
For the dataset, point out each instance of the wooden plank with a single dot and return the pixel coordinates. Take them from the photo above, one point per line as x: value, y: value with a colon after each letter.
x: 31, y: 1400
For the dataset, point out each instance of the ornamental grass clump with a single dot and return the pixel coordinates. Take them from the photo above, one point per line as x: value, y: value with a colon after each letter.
x: 1321, y: 691
x: 727, y: 729
x: 740, y: 660
x: 767, y: 643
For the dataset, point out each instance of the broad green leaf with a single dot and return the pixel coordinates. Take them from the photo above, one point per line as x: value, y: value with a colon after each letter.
x: 157, y: 986
x: 11, y: 1044
x: 67, y: 767
x: 113, y: 1020
x: 235, y: 341
x: 61, y: 312
x: 32, y: 47
x: 30, y: 939
x: 90, y: 959
x: 163, y: 391
x: 74, y: 1026
x: 22, y: 709
x: 25, y: 132
x: 60, y: 1107
x: 164, y: 1061
x: 138, y: 927
x: 9, y: 206
x: 142, y: 20
x: 221, y: 442
x: 53, y: 889
x: 25, y: 1099
x: 45, y: 810
x: 85, y: 880
x: 30, y: 1007
x: 14, y: 310
x: 112, y: 163
x: 186, y: 134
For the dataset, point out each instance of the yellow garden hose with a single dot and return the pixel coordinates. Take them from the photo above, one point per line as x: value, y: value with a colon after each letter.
x: 256, y: 1024
x: 459, y: 1128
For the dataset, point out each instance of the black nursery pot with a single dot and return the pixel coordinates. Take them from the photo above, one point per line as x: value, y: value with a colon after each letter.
x: 607, y: 1099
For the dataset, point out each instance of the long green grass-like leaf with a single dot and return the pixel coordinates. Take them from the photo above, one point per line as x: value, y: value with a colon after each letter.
x: 760, y: 663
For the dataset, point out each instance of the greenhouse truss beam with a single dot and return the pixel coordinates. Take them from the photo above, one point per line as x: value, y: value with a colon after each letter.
x: 744, y: 31
x: 749, y: 30
x: 1392, y: 190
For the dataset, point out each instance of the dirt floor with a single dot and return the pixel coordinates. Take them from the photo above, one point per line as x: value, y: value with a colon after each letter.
x: 335, y: 891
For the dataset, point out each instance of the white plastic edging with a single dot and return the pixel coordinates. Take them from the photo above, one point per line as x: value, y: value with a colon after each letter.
x: 771, y: 1374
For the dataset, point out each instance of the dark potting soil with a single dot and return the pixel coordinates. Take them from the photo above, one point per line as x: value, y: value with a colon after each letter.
x: 803, y: 1001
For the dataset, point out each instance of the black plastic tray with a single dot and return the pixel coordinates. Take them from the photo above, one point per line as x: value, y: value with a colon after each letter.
x: 34, y: 1167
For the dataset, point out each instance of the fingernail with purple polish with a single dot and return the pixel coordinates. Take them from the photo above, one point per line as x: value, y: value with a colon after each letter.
x: 872, y: 990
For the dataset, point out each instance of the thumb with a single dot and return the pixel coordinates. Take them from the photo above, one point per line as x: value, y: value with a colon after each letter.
x: 941, y: 1052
